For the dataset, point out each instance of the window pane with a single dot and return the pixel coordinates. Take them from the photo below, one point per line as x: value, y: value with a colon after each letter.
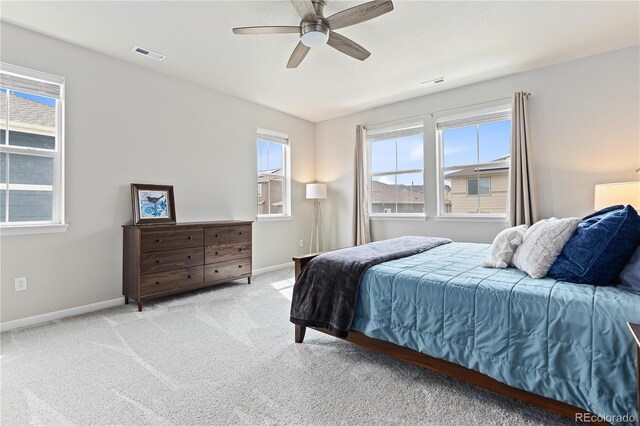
x: 410, y: 192
x: 383, y: 194
x: 3, y: 115
x: 30, y: 188
x: 410, y: 152
x: 383, y: 156
x: 472, y: 186
x: 484, y: 185
x: 494, y: 140
x: 32, y: 120
x: 460, y: 146
x: 262, y: 156
x: 276, y: 152
x: 3, y: 192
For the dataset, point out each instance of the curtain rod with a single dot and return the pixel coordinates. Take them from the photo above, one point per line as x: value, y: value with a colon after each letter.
x: 527, y: 94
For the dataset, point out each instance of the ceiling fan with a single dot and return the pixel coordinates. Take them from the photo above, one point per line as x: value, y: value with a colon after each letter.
x: 316, y: 30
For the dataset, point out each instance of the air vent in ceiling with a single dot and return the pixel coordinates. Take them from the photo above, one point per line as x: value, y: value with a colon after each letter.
x: 434, y: 81
x: 148, y: 53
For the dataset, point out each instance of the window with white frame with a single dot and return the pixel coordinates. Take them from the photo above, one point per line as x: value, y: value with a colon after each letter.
x: 396, y: 169
x: 31, y: 148
x: 273, y: 174
x: 474, y: 157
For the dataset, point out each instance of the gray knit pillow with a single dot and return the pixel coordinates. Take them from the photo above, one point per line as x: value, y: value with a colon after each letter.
x: 542, y: 245
x: 504, y: 245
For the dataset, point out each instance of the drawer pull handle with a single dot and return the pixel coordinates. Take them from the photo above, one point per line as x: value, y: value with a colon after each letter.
x: 158, y: 240
x: 216, y: 271
x: 189, y: 237
x: 217, y: 235
x: 239, y: 249
x: 188, y: 257
x: 158, y: 261
x: 188, y: 276
x: 217, y: 253
x: 239, y: 266
x: 157, y: 282
x: 239, y: 233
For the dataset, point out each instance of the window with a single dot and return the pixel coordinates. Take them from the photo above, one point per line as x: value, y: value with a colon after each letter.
x: 396, y: 169
x: 474, y: 163
x: 31, y: 148
x: 273, y: 174
x: 484, y: 187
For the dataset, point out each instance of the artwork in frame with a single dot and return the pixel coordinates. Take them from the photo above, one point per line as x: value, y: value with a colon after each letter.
x: 152, y: 204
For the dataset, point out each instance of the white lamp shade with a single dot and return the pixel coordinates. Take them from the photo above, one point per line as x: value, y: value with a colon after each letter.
x: 611, y: 194
x: 316, y: 191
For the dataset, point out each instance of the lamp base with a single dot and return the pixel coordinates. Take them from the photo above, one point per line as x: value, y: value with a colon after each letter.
x: 316, y: 229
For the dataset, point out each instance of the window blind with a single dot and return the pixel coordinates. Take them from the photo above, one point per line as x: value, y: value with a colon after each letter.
x: 273, y: 138
x: 376, y: 133
x: 21, y: 79
x: 476, y: 119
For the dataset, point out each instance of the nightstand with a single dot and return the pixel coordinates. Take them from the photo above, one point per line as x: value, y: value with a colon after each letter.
x: 635, y: 331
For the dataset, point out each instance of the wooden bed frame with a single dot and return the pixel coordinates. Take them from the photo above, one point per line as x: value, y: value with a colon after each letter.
x: 445, y: 367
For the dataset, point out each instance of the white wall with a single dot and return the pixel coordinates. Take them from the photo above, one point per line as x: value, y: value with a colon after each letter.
x: 585, y: 123
x: 126, y: 124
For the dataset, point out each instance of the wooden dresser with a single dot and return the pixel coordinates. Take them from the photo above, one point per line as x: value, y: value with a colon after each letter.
x: 166, y: 259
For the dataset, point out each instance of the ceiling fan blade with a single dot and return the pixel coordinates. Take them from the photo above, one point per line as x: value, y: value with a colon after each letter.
x: 305, y: 9
x: 266, y: 30
x: 298, y: 55
x: 360, y: 13
x: 347, y: 46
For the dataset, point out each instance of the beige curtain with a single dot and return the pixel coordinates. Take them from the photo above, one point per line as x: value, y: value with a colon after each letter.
x: 523, y: 199
x: 362, y: 232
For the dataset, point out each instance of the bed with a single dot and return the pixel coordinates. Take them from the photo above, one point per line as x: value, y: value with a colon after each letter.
x: 562, y: 346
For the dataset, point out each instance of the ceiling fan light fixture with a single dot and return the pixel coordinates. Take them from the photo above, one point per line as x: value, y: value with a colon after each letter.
x: 314, y: 34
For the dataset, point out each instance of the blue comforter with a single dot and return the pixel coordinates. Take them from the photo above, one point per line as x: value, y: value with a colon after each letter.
x: 565, y: 341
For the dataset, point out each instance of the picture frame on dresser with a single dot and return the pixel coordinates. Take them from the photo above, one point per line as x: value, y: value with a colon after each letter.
x: 152, y: 204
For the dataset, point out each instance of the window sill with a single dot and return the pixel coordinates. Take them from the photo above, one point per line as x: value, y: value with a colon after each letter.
x: 392, y: 216
x: 32, y: 229
x: 273, y: 218
x: 470, y: 218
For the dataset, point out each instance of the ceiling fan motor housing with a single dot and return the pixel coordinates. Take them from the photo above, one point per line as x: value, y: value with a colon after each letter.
x: 313, y: 34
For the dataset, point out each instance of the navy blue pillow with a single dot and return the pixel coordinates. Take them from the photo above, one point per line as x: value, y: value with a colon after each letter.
x: 600, y: 247
x: 630, y: 275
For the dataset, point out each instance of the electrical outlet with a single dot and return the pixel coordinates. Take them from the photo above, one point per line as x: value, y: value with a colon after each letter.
x: 301, y: 243
x: 21, y: 283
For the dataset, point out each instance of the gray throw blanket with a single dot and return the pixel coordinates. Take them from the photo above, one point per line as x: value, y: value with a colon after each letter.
x: 325, y: 293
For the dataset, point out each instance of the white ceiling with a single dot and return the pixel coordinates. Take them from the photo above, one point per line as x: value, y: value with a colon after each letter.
x: 465, y: 42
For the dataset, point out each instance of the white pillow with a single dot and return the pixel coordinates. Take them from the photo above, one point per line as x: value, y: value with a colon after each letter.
x: 542, y: 245
x: 504, y: 245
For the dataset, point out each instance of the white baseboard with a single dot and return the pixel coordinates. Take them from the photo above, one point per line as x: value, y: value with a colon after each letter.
x: 79, y: 310
x: 271, y: 268
x: 51, y: 316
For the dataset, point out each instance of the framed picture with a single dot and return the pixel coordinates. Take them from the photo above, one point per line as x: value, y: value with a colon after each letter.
x: 152, y: 204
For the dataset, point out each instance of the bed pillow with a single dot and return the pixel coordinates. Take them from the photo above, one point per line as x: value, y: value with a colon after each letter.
x: 504, y: 245
x: 542, y: 245
x: 630, y: 275
x: 600, y: 248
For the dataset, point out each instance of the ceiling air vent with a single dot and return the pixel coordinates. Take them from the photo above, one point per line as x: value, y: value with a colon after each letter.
x: 148, y: 53
x: 434, y: 81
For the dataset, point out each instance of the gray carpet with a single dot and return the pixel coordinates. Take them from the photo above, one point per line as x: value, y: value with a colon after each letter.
x: 224, y: 356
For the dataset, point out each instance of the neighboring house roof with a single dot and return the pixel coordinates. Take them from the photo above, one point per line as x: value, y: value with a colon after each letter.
x: 382, y: 193
x: 501, y: 163
x: 28, y: 112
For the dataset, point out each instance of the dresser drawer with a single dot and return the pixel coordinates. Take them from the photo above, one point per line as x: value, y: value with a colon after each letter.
x: 218, y: 236
x: 240, y: 234
x: 216, y: 254
x: 191, y: 237
x: 171, y: 259
x: 170, y: 280
x: 227, y: 270
x: 153, y: 240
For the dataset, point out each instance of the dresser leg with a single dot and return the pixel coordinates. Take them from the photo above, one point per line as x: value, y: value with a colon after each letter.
x: 139, y: 306
x: 248, y: 280
x: 126, y: 300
